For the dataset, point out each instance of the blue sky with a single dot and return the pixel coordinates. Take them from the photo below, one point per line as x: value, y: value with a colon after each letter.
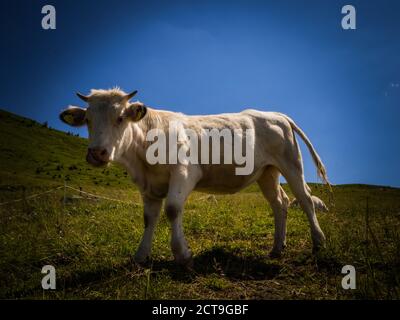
x: 200, y: 57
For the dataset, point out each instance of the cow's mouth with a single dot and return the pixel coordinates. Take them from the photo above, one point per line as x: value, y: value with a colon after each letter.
x: 94, y: 161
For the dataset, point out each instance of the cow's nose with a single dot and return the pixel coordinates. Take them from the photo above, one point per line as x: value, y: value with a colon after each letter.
x: 99, y: 154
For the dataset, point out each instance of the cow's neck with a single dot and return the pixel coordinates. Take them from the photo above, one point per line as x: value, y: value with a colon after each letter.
x: 137, y: 140
x: 133, y: 153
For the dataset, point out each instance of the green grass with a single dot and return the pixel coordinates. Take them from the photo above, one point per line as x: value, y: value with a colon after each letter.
x: 91, y: 242
x: 34, y: 155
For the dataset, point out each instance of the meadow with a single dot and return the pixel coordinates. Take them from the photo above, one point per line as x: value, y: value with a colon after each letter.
x: 90, y: 241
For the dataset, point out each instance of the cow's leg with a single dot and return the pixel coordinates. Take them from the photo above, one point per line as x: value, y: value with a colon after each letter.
x: 152, y: 208
x: 293, y: 173
x: 182, y: 182
x: 279, y: 201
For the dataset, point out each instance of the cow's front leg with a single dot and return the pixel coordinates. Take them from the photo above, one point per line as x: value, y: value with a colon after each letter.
x: 152, y: 208
x: 181, y: 184
x: 179, y: 246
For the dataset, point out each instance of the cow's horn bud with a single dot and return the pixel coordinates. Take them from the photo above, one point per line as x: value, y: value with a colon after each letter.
x: 130, y: 95
x: 84, y: 98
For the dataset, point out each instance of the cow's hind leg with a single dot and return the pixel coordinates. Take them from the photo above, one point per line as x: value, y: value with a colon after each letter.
x: 152, y: 208
x: 279, y: 201
x: 293, y: 173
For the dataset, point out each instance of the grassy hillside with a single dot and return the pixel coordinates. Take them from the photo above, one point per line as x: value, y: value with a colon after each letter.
x: 33, y: 155
x: 90, y: 241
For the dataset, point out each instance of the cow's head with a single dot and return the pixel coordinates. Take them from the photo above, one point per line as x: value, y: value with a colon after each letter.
x: 107, y: 115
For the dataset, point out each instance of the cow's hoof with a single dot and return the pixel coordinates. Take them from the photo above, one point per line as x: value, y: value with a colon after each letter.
x: 319, y: 242
x: 277, y: 251
x: 141, y: 261
x: 185, y: 262
x: 275, y: 254
x: 318, y: 248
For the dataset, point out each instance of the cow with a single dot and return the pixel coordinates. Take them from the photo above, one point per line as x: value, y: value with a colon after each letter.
x: 118, y: 129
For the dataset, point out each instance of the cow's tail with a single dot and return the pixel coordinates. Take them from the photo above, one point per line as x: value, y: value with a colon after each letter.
x: 317, y: 160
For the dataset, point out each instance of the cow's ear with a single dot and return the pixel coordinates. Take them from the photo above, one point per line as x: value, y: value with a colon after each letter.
x: 74, y: 116
x: 136, y: 111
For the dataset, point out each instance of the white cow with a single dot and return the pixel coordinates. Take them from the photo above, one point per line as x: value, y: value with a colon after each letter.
x: 117, y: 133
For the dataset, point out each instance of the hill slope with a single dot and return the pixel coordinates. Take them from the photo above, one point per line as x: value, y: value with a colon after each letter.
x: 32, y: 155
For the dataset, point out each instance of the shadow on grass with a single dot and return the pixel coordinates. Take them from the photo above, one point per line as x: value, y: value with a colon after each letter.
x: 220, y: 261
x: 216, y: 261
x: 75, y: 280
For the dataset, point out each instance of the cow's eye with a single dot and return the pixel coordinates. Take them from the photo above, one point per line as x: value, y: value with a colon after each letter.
x: 119, y: 120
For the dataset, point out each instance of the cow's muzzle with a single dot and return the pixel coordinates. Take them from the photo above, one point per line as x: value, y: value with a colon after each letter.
x: 97, y: 156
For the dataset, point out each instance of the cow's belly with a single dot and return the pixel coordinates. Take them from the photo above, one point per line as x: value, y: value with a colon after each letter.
x: 223, y: 179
